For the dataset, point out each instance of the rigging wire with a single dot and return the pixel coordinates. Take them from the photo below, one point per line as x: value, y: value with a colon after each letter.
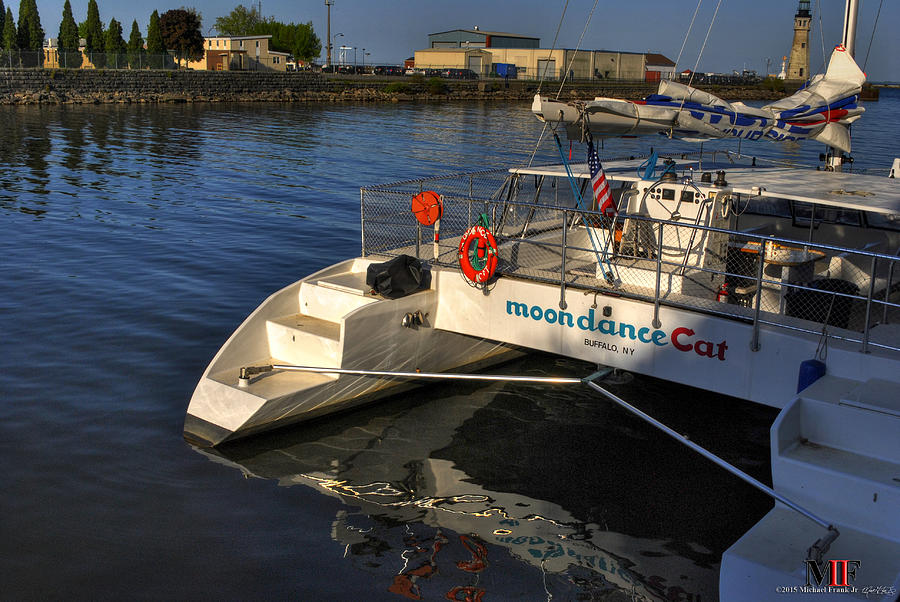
x: 552, y: 48
x: 687, y: 35
x: 577, y: 48
x: 702, y: 48
x: 878, y: 14
x: 821, y: 36
x: 537, y: 144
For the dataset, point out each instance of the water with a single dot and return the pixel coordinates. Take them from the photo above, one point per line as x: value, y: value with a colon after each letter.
x: 136, y: 238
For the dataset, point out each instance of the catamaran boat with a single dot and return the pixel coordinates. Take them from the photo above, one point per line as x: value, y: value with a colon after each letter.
x: 756, y: 280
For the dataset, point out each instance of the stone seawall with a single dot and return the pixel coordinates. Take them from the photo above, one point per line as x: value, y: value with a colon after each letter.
x: 80, y: 86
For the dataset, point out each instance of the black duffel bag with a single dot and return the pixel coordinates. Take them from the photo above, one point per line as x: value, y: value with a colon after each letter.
x: 398, y: 277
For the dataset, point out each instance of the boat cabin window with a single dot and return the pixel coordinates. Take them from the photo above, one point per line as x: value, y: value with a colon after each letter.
x: 768, y: 206
x: 885, y: 222
x: 824, y: 215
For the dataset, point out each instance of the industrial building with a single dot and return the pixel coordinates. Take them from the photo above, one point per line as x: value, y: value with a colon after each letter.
x: 476, y: 38
x: 483, y: 51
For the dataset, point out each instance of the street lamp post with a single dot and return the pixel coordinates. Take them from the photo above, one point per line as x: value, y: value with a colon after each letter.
x: 328, y: 4
x: 331, y: 45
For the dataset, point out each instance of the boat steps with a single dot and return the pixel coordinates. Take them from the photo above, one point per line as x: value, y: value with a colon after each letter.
x: 834, y: 450
x: 335, y: 296
x: 820, y: 460
x: 774, y: 551
x: 305, y: 340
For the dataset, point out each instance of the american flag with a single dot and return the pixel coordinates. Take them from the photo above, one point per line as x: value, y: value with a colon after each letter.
x: 602, y: 193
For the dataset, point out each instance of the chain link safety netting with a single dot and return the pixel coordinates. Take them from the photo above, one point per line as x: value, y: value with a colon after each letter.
x: 544, y: 235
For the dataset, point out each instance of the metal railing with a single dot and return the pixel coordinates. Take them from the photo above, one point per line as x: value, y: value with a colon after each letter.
x: 850, y: 294
x: 61, y: 59
x: 53, y: 58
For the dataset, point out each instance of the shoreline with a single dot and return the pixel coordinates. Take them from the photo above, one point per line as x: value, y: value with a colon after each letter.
x: 76, y: 86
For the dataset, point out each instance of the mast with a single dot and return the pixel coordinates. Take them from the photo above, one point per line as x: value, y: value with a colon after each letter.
x: 834, y: 159
x: 849, y: 40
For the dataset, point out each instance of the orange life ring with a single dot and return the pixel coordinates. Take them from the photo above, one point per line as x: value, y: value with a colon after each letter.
x: 427, y: 207
x: 479, y: 264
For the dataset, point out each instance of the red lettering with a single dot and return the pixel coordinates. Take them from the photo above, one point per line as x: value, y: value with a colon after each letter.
x: 707, y: 349
x: 677, y: 333
x: 721, y: 347
x: 839, y: 576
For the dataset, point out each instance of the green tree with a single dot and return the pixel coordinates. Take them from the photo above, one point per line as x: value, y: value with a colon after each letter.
x: 299, y: 40
x: 180, y: 29
x: 239, y: 22
x: 135, y: 46
x: 2, y: 19
x: 68, y: 30
x: 156, y: 49
x: 30, y: 33
x: 115, y: 44
x: 69, y: 55
x: 304, y: 43
x: 92, y: 29
x: 9, y: 31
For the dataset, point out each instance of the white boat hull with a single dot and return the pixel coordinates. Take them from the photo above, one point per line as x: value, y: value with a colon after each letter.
x: 328, y: 320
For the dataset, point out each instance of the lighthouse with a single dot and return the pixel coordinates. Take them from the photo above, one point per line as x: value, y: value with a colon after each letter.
x: 798, y: 66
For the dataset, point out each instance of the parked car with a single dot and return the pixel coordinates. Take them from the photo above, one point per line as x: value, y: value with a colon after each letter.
x: 388, y: 70
x: 459, y: 74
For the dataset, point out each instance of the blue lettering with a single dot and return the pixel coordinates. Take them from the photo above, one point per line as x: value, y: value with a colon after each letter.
x: 587, y: 322
x: 520, y: 308
x: 607, y: 327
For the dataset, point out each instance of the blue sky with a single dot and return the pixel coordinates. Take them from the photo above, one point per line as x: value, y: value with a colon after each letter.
x: 746, y: 32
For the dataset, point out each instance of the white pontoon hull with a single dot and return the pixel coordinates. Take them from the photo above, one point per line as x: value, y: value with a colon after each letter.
x: 330, y: 320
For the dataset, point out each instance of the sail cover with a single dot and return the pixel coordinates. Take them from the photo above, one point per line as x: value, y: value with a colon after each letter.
x: 821, y: 111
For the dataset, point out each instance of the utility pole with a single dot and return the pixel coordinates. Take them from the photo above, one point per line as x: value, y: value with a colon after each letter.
x: 328, y: 4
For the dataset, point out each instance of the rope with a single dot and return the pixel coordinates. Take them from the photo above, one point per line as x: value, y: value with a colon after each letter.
x: 878, y: 14
x: 553, y: 47
x: 577, y: 48
x: 687, y: 35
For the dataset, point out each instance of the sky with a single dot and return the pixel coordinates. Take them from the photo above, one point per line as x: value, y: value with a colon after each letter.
x: 745, y: 32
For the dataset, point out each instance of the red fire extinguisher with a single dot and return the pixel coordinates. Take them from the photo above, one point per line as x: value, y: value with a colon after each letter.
x: 722, y: 295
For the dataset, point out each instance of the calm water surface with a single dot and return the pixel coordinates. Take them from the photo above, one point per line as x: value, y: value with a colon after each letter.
x: 136, y: 238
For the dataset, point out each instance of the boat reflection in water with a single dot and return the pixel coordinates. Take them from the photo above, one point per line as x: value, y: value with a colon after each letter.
x: 470, y: 491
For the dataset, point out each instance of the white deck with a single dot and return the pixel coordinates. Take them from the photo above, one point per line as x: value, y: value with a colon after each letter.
x: 836, y: 189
